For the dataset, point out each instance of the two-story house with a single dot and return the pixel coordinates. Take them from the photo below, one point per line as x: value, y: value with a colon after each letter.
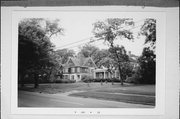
x: 76, y: 67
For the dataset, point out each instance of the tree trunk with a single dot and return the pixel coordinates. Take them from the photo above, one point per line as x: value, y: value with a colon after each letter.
x: 36, y: 84
x: 119, y: 66
x: 111, y: 79
x: 101, y: 82
x: 120, y: 76
x: 36, y: 81
x: 49, y: 75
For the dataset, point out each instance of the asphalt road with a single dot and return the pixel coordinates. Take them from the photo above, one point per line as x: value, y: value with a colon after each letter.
x: 34, y: 99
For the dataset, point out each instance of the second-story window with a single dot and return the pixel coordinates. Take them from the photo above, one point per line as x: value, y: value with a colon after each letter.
x: 73, y: 70
x: 86, y: 70
x: 78, y: 69
x: 69, y: 70
x: 66, y: 70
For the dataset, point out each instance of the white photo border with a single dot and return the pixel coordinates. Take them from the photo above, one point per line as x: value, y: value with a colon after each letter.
x: 160, y: 68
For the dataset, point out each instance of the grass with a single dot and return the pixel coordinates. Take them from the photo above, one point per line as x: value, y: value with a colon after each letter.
x: 65, y: 87
x: 135, y: 89
x: 139, y: 94
x: 117, y: 97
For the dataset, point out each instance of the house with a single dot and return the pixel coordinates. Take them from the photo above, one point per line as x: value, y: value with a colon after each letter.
x: 76, y: 67
x: 133, y: 60
x: 103, y: 73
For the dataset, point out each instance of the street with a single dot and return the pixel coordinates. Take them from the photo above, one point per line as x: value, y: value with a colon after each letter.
x: 34, y: 99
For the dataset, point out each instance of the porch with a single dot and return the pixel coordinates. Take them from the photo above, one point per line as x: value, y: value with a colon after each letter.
x: 103, y: 74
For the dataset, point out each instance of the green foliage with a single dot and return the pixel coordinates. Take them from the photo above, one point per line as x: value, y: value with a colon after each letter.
x: 63, y: 55
x: 147, y: 60
x: 147, y: 66
x: 35, y: 51
x: 135, y: 78
x: 146, y: 72
x: 53, y: 28
x: 101, y: 80
x: 86, y: 78
x: 100, y: 56
x: 127, y: 70
x: 65, y: 81
x: 149, y: 30
x: 110, y: 30
x: 109, y: 63
x: 94, y: 52
x: 89, y: 50
x: 118, y: 54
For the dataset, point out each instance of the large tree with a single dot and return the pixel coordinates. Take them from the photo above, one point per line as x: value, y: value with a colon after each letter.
x: 147, y: 69
x: 63, y: 55
x: 119, y: 55
x: 148, y: 29
x: 147, y: 60
x: 88, y: 50
x: 113, y: 29
x: 100, y: 56
x: 109, y: 63
x: 94, y: 52
x: 35, y: 50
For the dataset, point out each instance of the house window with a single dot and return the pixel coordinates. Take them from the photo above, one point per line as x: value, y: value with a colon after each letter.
x: 83, y: 69
x: 66, y: 76
x: 69, y: 70
x: 78, y: 69
x: 72, y: 77
x: 86, y: 70
x: 66, y: 70
x: 73, y: 70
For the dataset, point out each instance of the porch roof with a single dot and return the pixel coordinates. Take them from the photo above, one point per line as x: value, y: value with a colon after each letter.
x: 100, y: 70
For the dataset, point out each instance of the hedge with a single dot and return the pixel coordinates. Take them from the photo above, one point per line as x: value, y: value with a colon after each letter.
x: 65, y: 81
x: 101, y: 80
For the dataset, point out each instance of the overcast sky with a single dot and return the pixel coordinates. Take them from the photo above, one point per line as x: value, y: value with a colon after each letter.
x: 78, y: 29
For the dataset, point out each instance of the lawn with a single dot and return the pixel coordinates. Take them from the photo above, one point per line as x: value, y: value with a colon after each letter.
x: 52, y: 88
x: 120, y: 97
x: 139, y: 94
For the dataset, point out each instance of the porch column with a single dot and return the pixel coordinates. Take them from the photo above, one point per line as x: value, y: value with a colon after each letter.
x: 94, y: 74
x: 109, y: 75
x: 69, y: 76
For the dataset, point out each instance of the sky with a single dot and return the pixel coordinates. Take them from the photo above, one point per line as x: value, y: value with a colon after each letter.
x: 78, y: 28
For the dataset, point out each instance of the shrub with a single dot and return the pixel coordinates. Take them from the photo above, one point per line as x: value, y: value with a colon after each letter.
x: 65, y: 81
x: 86, y: 78
x: 105, y: 80
x: 134, y: 79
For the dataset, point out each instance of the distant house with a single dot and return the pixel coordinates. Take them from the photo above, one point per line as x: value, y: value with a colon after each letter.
x: 103, y: 73
x: 133, y: 60
x: 76, y: 67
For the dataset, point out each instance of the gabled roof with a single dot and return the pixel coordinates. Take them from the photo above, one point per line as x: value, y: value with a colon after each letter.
x: 79, y: 61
